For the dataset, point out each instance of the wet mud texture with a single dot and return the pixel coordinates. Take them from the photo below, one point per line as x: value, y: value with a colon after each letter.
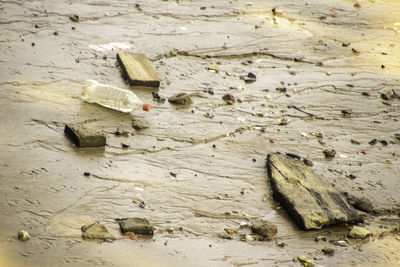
x: 321, y: 65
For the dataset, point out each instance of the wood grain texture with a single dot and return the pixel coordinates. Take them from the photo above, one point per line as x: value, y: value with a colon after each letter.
x: 138, y: 69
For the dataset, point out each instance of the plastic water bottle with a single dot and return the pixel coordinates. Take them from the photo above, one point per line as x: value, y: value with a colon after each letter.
x: 112, y: 97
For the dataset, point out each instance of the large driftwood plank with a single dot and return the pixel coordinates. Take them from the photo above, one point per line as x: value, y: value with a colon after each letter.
x: 311, y: 202
x: 138, y: 69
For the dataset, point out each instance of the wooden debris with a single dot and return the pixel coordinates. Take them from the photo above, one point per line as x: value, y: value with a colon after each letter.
x: 81, y: 136
x: 311, y: 202
x: 138, y: 69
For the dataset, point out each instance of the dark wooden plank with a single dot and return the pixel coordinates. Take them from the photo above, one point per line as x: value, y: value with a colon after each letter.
x: 310, y: 201
x: 84, y: 137
x: 138, y: 69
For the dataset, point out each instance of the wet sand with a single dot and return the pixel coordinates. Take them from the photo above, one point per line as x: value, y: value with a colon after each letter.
x: 201, y: 168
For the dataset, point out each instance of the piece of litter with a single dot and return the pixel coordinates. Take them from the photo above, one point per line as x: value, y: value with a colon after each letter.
x: 241, y: 119
x: 139, y: 189
x: 111, y: 46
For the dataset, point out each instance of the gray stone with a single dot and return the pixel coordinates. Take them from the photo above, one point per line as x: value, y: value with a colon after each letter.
x: 82, y: 136
x: 311, y: 202
x: 139, y: 124
x: 328, y: 251
x: 359, y: 232
x: 140, y: 226
x: 181, y: 99
x: 264, y: 229
x: 96, y: 231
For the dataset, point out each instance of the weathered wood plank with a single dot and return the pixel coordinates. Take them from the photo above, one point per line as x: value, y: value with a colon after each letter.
x: 138, y: 69
x: 311, y: 202
x: 84, y: 137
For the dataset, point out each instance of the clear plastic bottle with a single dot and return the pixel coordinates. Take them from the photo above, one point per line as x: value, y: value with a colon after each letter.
x: 112, y: 97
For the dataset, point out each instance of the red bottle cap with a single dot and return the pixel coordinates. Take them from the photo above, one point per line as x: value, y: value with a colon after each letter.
x: 146, y: 107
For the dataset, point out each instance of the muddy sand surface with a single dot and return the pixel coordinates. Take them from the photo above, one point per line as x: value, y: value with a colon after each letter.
x: 327, y: 66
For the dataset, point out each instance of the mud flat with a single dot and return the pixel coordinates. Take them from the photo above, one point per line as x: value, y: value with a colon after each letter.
x: 324, y: 77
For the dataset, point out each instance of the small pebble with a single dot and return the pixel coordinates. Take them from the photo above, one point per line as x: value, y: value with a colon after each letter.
x: 308, y: 162
x: 329, y: 153
x: 23, y: 235
x: 86, y: 173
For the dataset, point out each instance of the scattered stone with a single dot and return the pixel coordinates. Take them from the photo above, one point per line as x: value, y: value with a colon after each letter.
x: 357, y: 5
x: 320, y: 203
x: 373, y: 142
x: 359, y: 232
x: 352, y: 176
x: 264, y: 229
x: 347, y: 112
x: 33, y: 44
x: 251, y: 77
x: 317, y: 134
x: 364, y: 204
x: 355, y: 50
x: 86, y: 173
x: 366, y: 94
x: 125, y: 145
x: 340, y: 243
x: 328, y: 251
x: 139, y: 124
x: 281, y: 89
x: 138, y: 69
x: 329, y: 153
x: 121, y: 132
x: 383, y: 142
x: 384, y: 96
x: 229, y: 99
x: 96, y: 231
x: 82, y: 136
x: 397, y: 136
x: 158, y: 97
x: 355, y: 142
x: 225, y: 236
x: 181, y: 99
x: 305, y: 261
x: 308, y: 162
x: 74, y: 18
x: 277, y: 11
x: 140, y: 226
x: 55, y: 33
x: 23, y: 235
x: 319, y: 238
x: 231, y: 231
x: 248, y: 238
x: 283, y: 121
x: 213, y: 66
